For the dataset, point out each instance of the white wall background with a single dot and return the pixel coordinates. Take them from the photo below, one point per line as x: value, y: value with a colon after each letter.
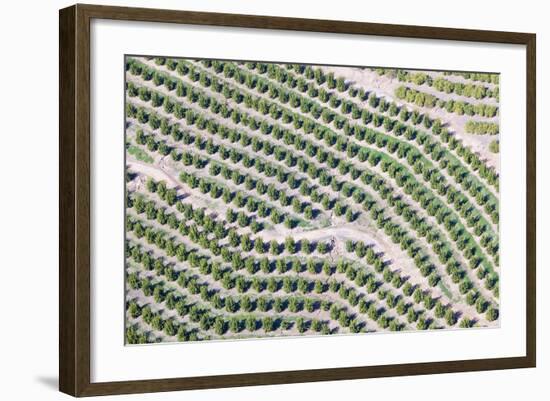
x: 28, y: 201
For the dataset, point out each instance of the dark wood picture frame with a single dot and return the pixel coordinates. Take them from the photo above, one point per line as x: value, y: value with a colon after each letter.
x: 74, y: 199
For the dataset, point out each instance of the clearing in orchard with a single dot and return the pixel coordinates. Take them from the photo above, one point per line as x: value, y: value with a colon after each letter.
x: 275, y: 199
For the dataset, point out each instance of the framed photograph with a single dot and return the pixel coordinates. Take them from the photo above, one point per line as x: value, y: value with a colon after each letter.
x: 249, y: 200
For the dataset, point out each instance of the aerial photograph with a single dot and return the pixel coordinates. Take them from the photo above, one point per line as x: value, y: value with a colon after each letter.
x: 282, y: 200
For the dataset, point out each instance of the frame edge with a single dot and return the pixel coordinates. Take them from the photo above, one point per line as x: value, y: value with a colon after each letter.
x: 67, y: 266
x: 531, y: 201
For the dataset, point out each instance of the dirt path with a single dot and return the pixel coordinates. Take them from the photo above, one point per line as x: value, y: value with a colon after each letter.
x: 173, y: 169
x: 456, y: 252
x: 450, y: 180
x: 216, y: 285
x: 412, y: 270
x: 158, y: 173
x: 351, y: 230
x: 169, y: 165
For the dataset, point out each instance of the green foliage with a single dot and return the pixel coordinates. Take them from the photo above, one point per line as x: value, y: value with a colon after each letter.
x: 377, y: 149
x: 481, y: 128
x: 494, y: 146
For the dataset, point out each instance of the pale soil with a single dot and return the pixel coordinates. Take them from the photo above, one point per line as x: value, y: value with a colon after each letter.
x: 450, y: 179
x: 427, y: 248
x: 346, y: 231
x: 166, y: 313
x: 341, y: 154
x: 166, y: 162
x: 418, y: 177
x: 268, y: 118
x: 364, y: 104
x: 218, y: 140
x: 219, y: 97
x: 197, y: 199
x: 320, y: 235
x: 167, y: 165
x: 157, y: 173
x: 338, y: 232
x: 338, y: 235
x: 369, y: 236
x: 319, y: 314
x: 385, y: 86
x: 216, y: 285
